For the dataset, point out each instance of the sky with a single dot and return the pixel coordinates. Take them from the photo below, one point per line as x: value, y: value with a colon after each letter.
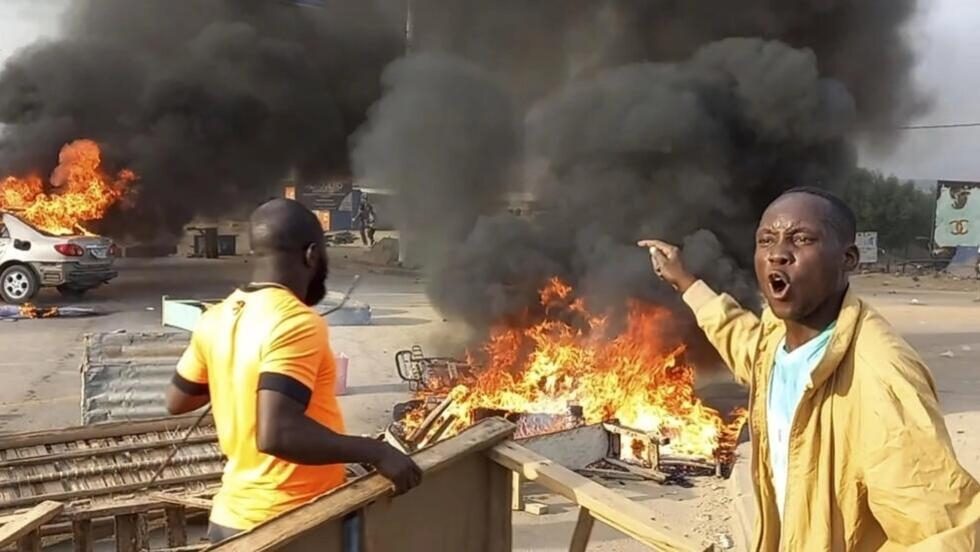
x: 945, y: 39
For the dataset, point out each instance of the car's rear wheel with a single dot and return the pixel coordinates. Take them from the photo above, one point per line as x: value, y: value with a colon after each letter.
x: 18, y: 284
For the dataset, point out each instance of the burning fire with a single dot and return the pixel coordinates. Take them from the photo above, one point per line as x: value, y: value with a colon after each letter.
x: 28, y: 310
x: 79, y: 191
x: 632, y: 377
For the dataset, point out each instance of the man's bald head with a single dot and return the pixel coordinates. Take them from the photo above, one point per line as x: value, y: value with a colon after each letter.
x: 284, y: 226
x: 288, y: 240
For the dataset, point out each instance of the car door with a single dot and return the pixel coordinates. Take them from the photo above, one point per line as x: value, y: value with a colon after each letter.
x: 4, y: 240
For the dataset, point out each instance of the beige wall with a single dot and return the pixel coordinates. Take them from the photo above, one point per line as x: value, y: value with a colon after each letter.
x: 238, y: 228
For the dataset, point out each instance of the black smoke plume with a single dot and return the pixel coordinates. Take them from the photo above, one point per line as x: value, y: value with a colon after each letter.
x: 675, y: 120
x: 211, y: 102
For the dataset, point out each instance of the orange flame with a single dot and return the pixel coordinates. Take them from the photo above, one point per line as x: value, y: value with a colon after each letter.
x: 633, y: 377
x: 79, y: 191
x: 28, y: 310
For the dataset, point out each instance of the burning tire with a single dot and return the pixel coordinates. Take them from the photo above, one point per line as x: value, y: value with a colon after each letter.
x: 18, y: 284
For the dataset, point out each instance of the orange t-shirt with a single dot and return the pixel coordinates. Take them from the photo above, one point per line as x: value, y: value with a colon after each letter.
x: 250, y: 333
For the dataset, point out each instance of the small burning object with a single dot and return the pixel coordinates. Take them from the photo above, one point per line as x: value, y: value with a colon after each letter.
x: 28, y: 310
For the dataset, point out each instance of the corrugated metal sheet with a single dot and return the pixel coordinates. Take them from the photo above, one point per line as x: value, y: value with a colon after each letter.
x: 125, y: 375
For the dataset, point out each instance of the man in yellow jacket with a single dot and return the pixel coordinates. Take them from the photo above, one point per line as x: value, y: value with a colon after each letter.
x: 849, y: 448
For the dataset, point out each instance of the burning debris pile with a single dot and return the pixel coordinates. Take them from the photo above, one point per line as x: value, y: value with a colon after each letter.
x: 555, y: 374
x: 79, y: 191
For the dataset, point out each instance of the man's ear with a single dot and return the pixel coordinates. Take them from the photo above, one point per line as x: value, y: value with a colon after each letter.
x: 852, y: 257
x: 309, y: 255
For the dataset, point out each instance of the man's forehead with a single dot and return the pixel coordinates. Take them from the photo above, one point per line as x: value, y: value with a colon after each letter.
x: 797, y: 210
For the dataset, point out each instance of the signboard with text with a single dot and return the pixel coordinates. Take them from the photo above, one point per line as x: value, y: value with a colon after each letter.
x: 957, y: 214
x: 867, y: 244
x: 324, y: 195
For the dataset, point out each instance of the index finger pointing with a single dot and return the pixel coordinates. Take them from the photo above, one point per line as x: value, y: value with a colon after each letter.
x: 661, y: 246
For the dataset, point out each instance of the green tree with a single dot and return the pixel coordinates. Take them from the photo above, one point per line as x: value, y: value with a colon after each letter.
x: 898, y: 211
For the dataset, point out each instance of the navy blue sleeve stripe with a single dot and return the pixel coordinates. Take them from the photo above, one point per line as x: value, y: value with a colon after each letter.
x: 291, y: 387
x: 189, y: 387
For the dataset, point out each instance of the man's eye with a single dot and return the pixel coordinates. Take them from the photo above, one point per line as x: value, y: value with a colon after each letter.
x: 803, y: 240
x: 764, y: 241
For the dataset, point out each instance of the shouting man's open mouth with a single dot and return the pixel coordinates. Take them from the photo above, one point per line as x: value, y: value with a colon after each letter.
x: 779, y: 285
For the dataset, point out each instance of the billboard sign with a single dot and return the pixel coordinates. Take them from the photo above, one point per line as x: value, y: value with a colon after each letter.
x: 324, y: 196
x: 957, y: 214
x: 867, y: 244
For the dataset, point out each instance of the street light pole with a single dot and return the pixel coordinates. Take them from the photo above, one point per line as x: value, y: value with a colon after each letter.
x: 409, y: 35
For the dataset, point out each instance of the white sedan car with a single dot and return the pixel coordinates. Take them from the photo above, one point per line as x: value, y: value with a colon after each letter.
x: 31, y: 259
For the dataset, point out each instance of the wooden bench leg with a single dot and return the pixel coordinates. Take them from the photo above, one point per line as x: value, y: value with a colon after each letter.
x: 516, y: 496
x: 176, y: 527
x: 81, y: 532
x: 30, y: 542
x: 583, y: 530
x: 130, y: 533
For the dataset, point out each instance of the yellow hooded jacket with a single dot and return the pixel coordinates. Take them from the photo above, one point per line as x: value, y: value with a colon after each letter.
x: 871, y: 466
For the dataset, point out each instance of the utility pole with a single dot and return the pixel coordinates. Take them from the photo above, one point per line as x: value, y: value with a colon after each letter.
x: 409, y: 35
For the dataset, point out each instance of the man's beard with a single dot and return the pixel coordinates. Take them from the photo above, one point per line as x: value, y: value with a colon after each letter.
x: 317, y: 289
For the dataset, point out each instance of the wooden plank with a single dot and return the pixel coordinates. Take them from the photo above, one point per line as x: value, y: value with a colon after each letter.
x: 130, y: 533
x: 81, y: 532
x: 186, y: 501
x: 583, y: 531
x: 29, y: 522
x: 357, y: 494
x: 47, y: 473
x: 100, y: 431
x: 104, y: 451
x: 176, y: 527
x: 117, y: 507
x: 605, y: 505
x: 423, y: 429
x: 129, y: 487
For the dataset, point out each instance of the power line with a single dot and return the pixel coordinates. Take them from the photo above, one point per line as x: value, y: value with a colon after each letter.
x: 927, y: 127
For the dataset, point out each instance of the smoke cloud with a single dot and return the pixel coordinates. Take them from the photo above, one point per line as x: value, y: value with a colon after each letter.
x: 676, y: 120
x: 211, y: 102
x: 624, y: 119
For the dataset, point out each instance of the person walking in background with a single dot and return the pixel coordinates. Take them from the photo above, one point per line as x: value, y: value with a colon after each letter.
x: 366, y: 221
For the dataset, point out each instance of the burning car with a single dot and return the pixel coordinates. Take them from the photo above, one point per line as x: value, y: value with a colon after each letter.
x: 31, y: 258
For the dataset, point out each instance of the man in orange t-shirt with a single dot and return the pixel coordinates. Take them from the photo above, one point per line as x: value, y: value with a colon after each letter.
x: 262, y: 359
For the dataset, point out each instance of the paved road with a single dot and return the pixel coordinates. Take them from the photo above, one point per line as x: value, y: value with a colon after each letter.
x: 41, y: 358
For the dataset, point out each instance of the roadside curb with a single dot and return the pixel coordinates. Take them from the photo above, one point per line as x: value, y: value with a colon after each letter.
x: 382, y: 269
x: 743, y: 498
